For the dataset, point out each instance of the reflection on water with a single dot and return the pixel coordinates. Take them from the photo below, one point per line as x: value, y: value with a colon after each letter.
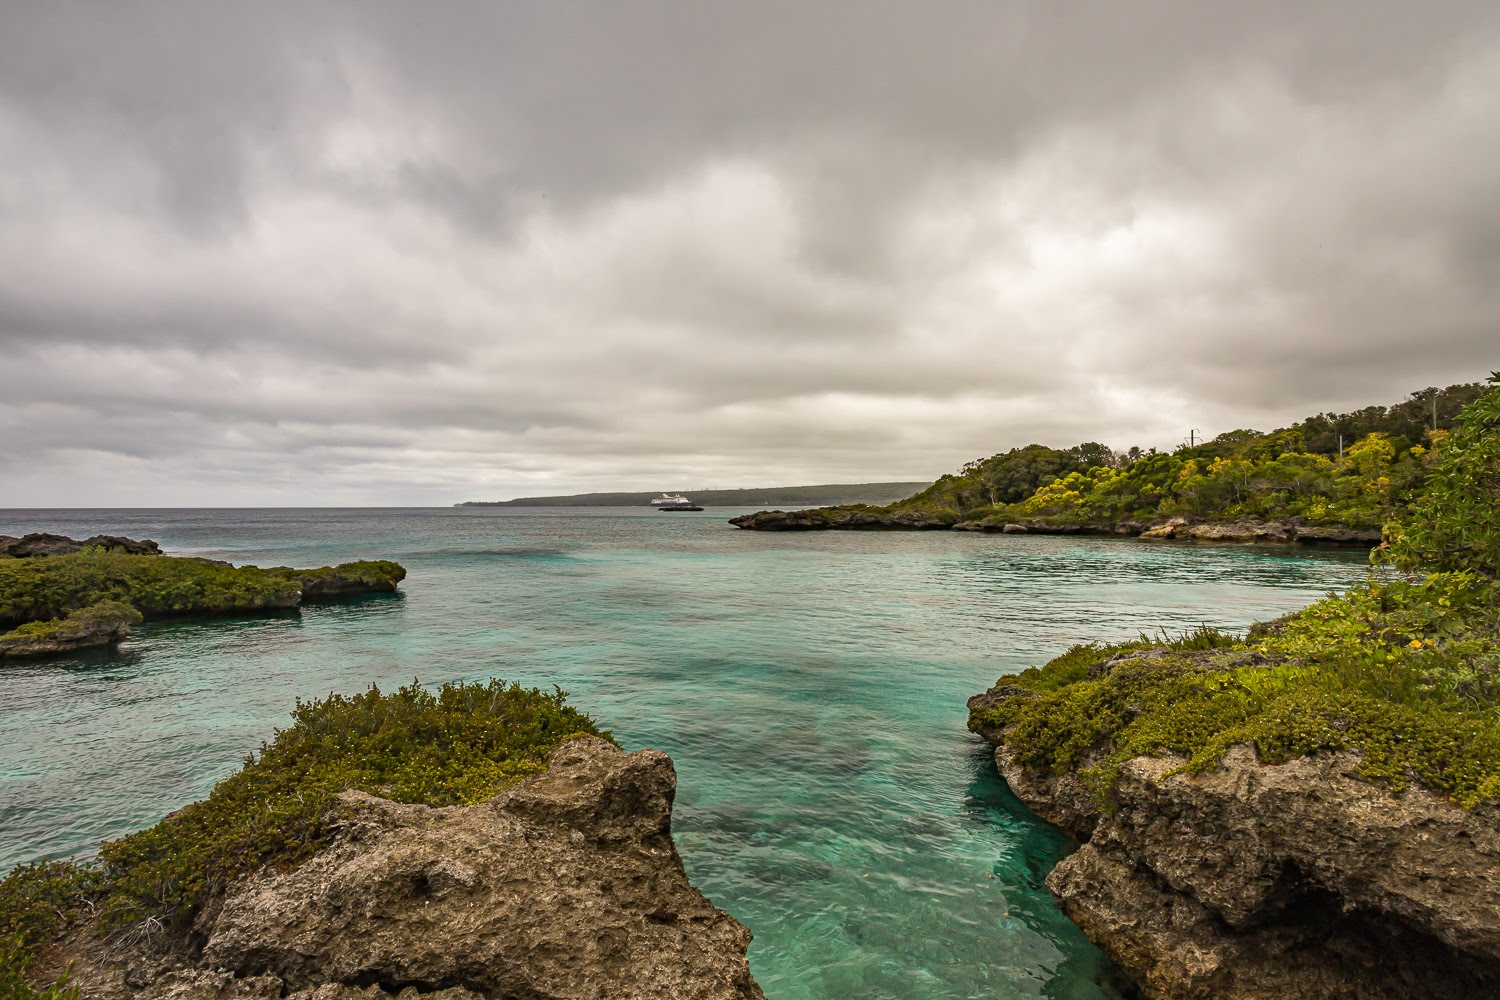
x: 810, y: 687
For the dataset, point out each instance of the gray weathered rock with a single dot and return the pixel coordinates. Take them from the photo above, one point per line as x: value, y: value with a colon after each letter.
x: 565, y: 887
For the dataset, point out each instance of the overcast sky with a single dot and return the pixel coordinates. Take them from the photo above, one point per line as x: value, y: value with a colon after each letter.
x: 392, y: 253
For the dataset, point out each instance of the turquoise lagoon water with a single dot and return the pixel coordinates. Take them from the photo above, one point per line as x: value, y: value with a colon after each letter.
x: 810, y: 688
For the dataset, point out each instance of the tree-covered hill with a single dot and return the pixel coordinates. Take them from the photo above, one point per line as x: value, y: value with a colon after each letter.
x: 1351, y: 470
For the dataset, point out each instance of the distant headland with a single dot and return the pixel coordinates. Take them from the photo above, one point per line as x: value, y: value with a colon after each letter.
x: 790, y: 496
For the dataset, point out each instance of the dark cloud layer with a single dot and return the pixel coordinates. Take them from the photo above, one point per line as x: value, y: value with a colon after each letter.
x: 360, y: 252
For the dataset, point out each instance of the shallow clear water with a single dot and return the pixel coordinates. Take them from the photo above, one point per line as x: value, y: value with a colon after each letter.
x: 810, y: 687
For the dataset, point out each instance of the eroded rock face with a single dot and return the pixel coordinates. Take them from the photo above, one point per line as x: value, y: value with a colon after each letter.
x: 1290, y: 880
x: 1298, y: 879
x: 563, y: 888
x: 1288, y: 532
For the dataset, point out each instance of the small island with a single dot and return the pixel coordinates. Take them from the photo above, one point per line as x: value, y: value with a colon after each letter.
x: 59, y: 595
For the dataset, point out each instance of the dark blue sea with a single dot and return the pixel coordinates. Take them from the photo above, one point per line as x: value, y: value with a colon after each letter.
x: 810, y: 688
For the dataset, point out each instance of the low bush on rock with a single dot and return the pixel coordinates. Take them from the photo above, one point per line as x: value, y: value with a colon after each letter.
x: 457, y: 745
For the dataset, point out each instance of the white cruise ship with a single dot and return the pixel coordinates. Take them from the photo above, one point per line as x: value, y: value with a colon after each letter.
x: 674, y: 501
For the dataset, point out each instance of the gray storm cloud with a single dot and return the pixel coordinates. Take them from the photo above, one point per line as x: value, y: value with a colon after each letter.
x: 414, y: 253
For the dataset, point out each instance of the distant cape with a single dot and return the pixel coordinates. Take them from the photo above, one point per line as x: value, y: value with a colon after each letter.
x: 769, y: 496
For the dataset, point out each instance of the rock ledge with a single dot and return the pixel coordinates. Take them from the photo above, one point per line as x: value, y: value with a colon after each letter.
x: 565, y: 887
x: 1290, y: 880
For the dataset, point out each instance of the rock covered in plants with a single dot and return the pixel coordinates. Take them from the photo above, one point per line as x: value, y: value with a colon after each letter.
x: 40, y: 592
x: 103, y: 624
x: 564, y: 886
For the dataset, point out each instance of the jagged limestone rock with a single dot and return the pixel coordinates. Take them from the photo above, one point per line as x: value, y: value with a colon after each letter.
x: 564, y: 887
x: 1298, y: 879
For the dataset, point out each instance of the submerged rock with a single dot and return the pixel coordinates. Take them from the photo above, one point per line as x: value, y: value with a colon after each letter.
x: 1290, y: 880
x: 565, y: 887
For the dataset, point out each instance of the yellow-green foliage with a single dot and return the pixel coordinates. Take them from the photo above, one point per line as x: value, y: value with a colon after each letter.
x: 49, y: 587
x: 1405, y: 673
x: 457, y: 745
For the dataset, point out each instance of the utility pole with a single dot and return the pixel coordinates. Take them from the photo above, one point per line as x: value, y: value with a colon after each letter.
x: 1435, y: 393
x: 1191, y: 432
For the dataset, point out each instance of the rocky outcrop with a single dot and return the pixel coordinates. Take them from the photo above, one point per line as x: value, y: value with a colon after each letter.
x: 104, y: 624
x: 565, y: 887
x: 1290, y: 880
x: 1293, y: 531
x: 41, y: 543
x: 832, y: 518
x: 1125, y: 528
x: 318, y: 588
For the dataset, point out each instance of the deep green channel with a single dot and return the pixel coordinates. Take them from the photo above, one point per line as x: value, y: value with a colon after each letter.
x: 810, y: 688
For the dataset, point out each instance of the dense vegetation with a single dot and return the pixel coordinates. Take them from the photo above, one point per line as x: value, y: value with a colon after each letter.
x: 458, y: 745
x: 1404, y: 670
x: 50, y: 587
x: 787, y: 496
x: 1354, y: 469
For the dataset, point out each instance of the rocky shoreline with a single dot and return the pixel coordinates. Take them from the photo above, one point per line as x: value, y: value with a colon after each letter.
x: 1292, y: 531
x: 566, y: 886
x: 1249, y: 881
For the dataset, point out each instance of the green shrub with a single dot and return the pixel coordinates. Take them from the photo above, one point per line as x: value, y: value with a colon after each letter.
x: 1456, y: 523
x: 14, y: 961
x: 38, y: 900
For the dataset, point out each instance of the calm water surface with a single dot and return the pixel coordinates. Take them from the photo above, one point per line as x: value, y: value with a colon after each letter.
x: 810, y: 687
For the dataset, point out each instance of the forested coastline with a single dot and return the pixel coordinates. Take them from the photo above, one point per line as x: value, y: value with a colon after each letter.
x: 1353, y: 470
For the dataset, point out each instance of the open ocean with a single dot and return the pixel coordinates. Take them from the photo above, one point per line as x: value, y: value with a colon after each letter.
x: 810, y: 688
